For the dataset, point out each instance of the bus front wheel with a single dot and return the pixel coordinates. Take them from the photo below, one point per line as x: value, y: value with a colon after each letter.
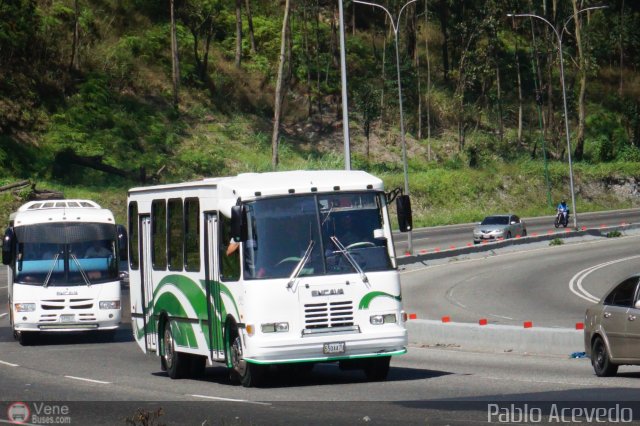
x: 243, y: 372
x: 377, y: 369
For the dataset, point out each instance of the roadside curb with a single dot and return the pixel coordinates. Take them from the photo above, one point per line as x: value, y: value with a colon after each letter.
x: 478, y: 248
x: 496, y: 338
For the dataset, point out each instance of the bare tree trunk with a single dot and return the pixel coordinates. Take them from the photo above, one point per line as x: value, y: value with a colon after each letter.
x: 621, y: 46
x: 426, y: 44
x: 417, y: 61
x: 175, y: 65
x: 384, y: 63
x: 444, y: 12
x: 307, y: 56
x: 252, y: 39
x: 520, y: 98
x: 73, y: 64
x: 316, y: 14
x: 278, y: 96
x: 579, y: 151
x: 238, y: 33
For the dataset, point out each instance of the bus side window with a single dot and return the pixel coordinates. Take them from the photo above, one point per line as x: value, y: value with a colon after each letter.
x: 229, y: 263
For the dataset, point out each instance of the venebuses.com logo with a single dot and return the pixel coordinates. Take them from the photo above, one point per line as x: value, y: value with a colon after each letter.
x: 18, y: 412
x: 38, y: 413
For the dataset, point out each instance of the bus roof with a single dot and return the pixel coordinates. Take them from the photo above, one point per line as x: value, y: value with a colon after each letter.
x: 60, y: 211
x: 250, y: 185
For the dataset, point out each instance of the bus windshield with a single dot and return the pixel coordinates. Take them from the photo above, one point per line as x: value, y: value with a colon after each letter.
x: 66, y: 254
x: 338, y: 229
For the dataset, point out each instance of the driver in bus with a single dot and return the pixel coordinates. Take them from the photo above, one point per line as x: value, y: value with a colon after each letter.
x: 97, y: 249
x: 345, y: 231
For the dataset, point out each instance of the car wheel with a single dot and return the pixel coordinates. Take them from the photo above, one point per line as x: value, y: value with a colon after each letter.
x: 176, y: 363
x: 26, y: 338
x: 600, y: 360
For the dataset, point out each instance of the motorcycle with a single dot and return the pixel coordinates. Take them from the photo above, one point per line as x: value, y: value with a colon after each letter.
x: 562, y: 218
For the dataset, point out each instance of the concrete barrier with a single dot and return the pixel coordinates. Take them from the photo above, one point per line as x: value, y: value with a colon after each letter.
x: 496, y: 338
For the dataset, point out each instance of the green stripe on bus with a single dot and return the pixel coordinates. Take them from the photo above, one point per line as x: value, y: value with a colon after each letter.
x: 366, y: 300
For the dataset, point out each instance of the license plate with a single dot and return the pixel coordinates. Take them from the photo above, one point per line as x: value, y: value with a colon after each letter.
x: 333, y: 348
x: 67, y: 318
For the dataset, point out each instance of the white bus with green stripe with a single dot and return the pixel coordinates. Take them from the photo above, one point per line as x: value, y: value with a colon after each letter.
x: 267, y: 269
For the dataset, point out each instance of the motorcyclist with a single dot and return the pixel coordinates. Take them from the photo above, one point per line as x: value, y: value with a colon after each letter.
x: 563, y: 213
x: 562, y: 207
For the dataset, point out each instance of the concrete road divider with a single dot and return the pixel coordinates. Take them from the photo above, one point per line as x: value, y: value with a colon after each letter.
x: 496, y: 338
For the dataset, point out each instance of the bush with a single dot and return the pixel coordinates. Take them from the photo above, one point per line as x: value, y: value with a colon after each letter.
x: 556, y: 242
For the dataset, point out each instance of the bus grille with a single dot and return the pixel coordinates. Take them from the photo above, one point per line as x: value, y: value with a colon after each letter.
x: 328, y: 315
x: 57, y: 304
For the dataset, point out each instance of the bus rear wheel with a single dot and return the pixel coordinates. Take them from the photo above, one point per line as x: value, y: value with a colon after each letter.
x: 176, y: 363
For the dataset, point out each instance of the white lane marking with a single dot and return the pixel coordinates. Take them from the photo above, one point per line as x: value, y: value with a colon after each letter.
x: 3, y: 315
x: 500, y: 316
x: 217, y: 398
x: 6, y: 286
x: 9, y: 364
x: 88, y: 380
x: 576, y: 280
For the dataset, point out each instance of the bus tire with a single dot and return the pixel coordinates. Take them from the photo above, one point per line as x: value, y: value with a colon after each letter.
x: 197, y: 365
x: 26, y: 338
x: 243, y: 372
x: 177, y: 363
x: 377, y: 369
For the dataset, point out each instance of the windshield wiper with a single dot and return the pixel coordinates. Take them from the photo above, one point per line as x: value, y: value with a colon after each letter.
x: 84, y: 275
x: 53, y: 266
x: 300, y: 265
x: 351, y: 260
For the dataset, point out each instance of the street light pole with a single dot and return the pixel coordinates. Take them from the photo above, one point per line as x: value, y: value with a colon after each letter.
x: 343, y: 76
x: 395, y: 25
x: 564, y: 94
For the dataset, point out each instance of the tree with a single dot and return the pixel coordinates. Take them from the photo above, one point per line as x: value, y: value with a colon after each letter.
x: 252, y: 37
x: 275, y: 138
x: 175, y: 65
x: 238, y: 33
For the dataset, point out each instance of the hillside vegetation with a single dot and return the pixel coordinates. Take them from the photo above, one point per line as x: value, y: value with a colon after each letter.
x: 94, y: 100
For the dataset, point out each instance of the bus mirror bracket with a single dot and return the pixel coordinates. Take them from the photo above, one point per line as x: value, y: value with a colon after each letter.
x: 405, y: 217
x: 8, y: 246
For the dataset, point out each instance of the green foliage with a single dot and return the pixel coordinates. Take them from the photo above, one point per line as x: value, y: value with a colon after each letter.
x: 556, y: 242
x: 614, y: 234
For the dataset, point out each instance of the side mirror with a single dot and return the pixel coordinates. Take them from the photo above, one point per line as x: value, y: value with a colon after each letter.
x: 405, y: 218
x: 123, y: 242
x: 637, y: 304
x: 236, y: 223
x: 8, y: 246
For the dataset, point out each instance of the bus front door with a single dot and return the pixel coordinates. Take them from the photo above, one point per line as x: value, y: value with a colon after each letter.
x: 212, y: 276
x: 147, y: 284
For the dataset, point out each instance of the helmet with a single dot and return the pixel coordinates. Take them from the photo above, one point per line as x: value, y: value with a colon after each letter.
x: 564, y: 201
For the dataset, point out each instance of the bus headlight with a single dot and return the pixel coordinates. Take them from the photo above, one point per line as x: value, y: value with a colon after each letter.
x: 25, y: 307
x: 110, y: 304
x: 275, y: 327
x: 383, y: 319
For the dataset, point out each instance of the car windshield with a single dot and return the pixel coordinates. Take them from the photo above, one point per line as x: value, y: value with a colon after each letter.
x: 281, y: 230
x: 66, y: 254
x: 495, y: 220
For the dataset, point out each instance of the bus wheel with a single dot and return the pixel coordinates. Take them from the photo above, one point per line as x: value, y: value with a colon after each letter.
x: 243, y: 372
x: 26, y: 338
x: 176, y: 362
x: 377, y: 369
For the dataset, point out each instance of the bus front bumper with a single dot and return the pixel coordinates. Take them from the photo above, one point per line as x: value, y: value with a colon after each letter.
x: 108, y: 319
x: 325, y: 349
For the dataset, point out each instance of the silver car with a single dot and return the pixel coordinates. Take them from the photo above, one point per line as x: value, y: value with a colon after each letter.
x: 612, y: 329
x: 497, y: 227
